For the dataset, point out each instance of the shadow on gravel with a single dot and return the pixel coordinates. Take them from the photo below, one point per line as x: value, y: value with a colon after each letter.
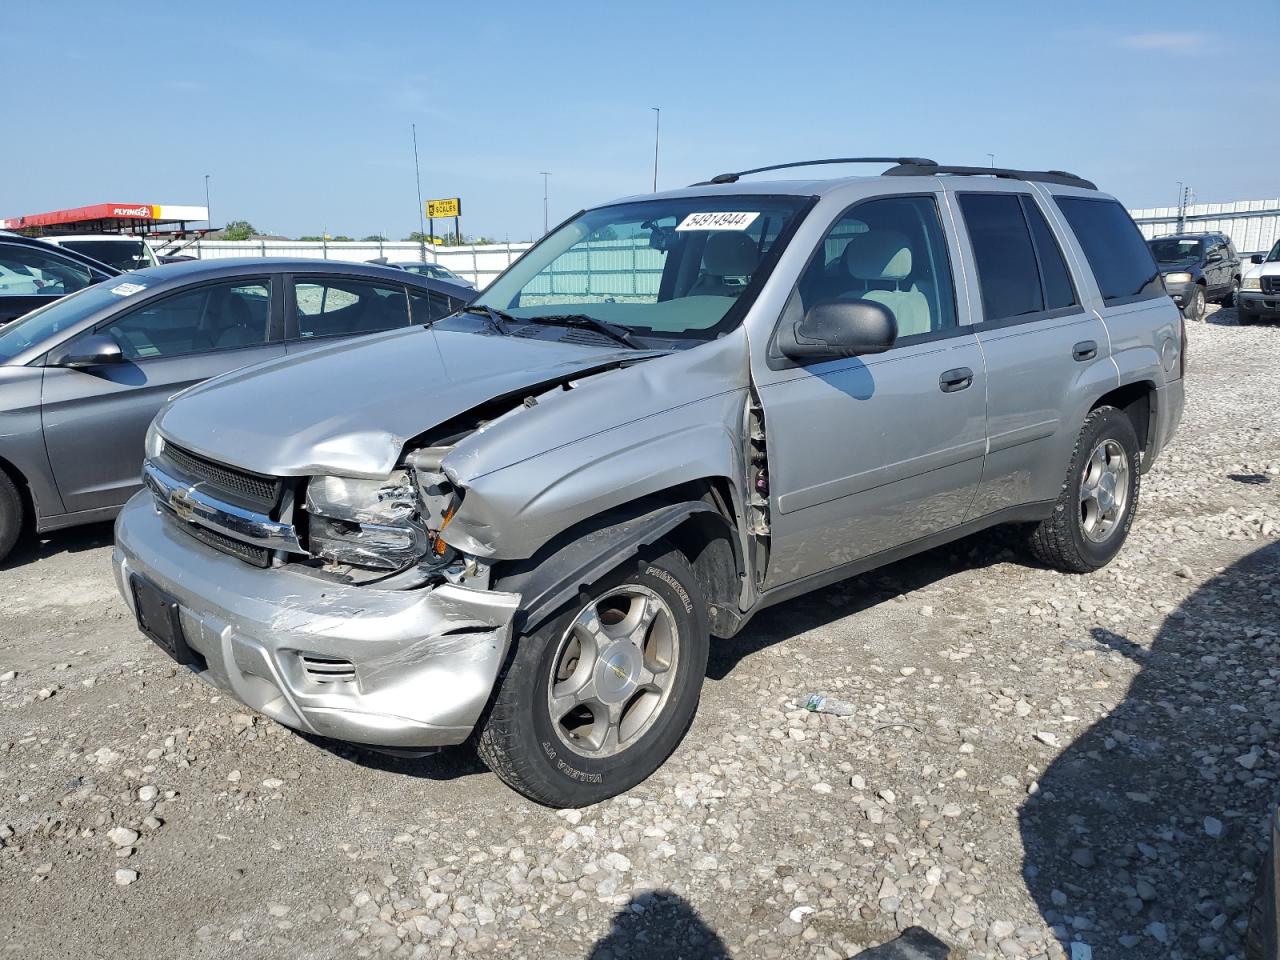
x: 75, y: 540
x: 1147, y: 829
x: 661, y: 925
x: 450, y: 763
x: 819, y: 608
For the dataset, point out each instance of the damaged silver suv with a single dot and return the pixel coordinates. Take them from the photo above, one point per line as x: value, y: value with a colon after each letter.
x: 520, y: 525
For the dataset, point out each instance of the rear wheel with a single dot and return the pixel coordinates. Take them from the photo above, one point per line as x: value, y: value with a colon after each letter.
x: 596, y: 698
x: 11, y: 514
x: 1230, y: 299
x: 1195, y: 308
x: 1098, y: 500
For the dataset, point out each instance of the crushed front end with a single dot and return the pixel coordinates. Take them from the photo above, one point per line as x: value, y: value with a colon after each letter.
x: 333, y: 605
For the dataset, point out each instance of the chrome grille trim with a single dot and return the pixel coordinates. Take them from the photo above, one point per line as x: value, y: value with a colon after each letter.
x: 190, y: 504
x: 250, y: 487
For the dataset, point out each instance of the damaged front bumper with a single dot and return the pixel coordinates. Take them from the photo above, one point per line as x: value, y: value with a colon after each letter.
x: 406, y: 669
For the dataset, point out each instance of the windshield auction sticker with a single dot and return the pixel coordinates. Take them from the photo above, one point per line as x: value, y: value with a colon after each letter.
x: 127, y: 289
x: 720, y: 220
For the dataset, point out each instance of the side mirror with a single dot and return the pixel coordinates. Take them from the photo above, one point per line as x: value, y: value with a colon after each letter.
x: 1257, y: 258
x: 840, y: 328
x: 1214, y: 258
x: 92, y: 351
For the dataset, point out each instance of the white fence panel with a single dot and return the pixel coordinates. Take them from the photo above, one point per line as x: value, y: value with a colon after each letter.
x: 1252, y: 225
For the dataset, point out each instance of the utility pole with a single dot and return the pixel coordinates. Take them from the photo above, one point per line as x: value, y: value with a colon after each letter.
x: 992, y: 158
x: 545, y: 176
x: 657, y: 121
x: 417, y: 175
x: 208, y: 209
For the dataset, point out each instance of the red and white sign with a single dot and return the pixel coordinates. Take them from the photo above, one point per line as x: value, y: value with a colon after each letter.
x: 107, y: 211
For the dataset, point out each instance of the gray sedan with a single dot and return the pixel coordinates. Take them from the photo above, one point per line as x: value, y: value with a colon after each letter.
x: 82, y: 378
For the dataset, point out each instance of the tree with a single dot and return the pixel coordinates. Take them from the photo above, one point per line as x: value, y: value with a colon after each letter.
x: 238, y: 230
x: 373, y: 237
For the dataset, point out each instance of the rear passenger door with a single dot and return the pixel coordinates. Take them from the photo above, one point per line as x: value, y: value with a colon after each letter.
x: 1041, y: 343
x: 328, y: 307
x: 868, y: 453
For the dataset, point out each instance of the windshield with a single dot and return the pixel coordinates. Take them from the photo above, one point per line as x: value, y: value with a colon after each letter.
x: 667, y: 268
x: 1274, y: 255
x: 121, y: 254
x: 1171, y: 251
x: 32, y: 328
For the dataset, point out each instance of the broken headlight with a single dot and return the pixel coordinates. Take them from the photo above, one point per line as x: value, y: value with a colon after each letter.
x: 365, y: 523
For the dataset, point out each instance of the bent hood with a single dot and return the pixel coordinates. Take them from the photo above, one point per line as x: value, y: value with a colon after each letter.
x: 349, y: 409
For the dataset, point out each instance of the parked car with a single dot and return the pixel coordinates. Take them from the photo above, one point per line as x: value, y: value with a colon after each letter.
x: 120, y: 250
x: 32, y: 274
x: 432, y: 270
x: 527, y: 520
x: 82, y: 378
x: 1198, y: 269
x: 1260, y: 290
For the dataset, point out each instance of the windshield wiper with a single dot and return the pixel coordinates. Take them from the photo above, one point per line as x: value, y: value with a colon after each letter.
x: 498, y: 319
x: 613, y: 331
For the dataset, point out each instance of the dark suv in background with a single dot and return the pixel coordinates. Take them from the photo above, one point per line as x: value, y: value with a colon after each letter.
x: 1198, y: 268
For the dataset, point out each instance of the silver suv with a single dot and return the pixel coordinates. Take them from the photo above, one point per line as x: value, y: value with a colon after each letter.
x: 522, y: 524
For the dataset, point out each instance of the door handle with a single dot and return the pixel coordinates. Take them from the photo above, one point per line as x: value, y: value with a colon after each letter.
x: 958, y: 379
x: 1084, y: 350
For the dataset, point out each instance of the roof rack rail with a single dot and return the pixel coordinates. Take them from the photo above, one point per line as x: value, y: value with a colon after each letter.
x: 733, y: 177
x: 925, y: 168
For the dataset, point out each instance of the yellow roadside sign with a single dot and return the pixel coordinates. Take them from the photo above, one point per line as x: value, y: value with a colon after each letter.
x: 450, y: 207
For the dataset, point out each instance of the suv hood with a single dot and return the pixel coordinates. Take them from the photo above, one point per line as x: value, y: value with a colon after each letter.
x: 350, y: 408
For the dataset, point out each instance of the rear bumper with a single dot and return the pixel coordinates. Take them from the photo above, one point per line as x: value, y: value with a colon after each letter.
x: 1253, y: 301
x: 422, y: 662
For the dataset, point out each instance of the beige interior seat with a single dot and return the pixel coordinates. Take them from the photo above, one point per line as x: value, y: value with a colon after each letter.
x: 881, y: 259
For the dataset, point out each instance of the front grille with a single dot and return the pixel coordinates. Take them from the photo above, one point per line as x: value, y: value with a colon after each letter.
x: 1271, y: 284
x: 251, y: 488
x: 258, y: 556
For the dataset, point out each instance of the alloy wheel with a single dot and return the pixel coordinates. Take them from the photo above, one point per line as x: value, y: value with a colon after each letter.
x: 1104, y: 491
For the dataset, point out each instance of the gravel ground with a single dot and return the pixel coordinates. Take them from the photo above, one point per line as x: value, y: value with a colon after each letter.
x: 1038, y: 762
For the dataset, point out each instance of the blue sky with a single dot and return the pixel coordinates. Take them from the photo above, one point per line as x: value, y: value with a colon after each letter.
x: 301, y: 112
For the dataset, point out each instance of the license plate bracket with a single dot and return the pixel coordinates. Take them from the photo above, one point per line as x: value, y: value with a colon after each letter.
x: 159, y: 619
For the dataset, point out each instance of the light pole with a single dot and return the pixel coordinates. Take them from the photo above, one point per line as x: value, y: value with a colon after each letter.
x: 657, y: 121
x: 545, y: 177
x: 208, y: 209
x: 992, y: 158
x: 417, y: 175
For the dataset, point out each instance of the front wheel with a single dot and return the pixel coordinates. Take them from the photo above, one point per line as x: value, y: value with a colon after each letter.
x: 596, y: 698
x: 11, y: 514
x: 1098, y: 500
x: 1230, y: 299
x: 1196, y: 304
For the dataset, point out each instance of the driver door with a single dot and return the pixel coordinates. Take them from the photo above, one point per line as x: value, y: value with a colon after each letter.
x: 96, y: 419
x: 868, y: 453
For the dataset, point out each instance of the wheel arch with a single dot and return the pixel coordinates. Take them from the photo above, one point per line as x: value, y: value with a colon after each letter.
x: 30, y: 505
x: 1137, y: 400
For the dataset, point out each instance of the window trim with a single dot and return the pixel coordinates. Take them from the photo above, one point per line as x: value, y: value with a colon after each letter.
x: 775, y: 359
x: 1157, y: 294
x: 160, y: 297
x: 1073, y: 310
x: 293, y: 332
x: 428, y: 292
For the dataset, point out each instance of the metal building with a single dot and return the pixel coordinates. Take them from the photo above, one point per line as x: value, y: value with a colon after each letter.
x: 1253, y: 225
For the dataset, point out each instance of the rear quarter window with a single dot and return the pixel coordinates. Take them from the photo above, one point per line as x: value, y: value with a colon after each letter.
x: 1118, y: 256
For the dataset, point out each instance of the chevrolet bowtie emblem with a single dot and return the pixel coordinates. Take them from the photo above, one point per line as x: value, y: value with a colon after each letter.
x: 618, y: 671
x: 181, y: 504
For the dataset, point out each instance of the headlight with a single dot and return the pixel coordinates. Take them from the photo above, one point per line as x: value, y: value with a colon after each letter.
x: 1177, y: 278
x: 1251, y: 283
x: 365, y: 523
x: 154, y: 444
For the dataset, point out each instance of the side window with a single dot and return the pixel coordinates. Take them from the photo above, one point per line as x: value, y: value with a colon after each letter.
x: 221, y: 316
x: 1119, y: 258
x: 1058, y: 291
x: 892, y: 251
x: 26, y: 272
x: 428, y: 306
x: 339, y: 307
x: 1008, y: 274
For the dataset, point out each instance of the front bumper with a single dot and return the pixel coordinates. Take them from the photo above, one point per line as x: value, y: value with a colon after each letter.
x: 1254, y: 301
x: 1181, y: 292
x: 422, y: 662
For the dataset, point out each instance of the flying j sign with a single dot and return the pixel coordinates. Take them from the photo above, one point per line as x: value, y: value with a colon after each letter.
x: 108, y: 211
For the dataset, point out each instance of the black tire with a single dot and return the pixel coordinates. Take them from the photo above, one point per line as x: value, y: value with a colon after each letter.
x: 523, y: 744
x: 1262, y: 941
x: 1230, y: 299
x: 1197, y: 305
x: 1245, y: 319
x: 11, y: 514
x: 1060, y: 541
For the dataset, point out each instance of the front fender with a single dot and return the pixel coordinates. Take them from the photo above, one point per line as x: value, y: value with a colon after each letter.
x: 510, y: 513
